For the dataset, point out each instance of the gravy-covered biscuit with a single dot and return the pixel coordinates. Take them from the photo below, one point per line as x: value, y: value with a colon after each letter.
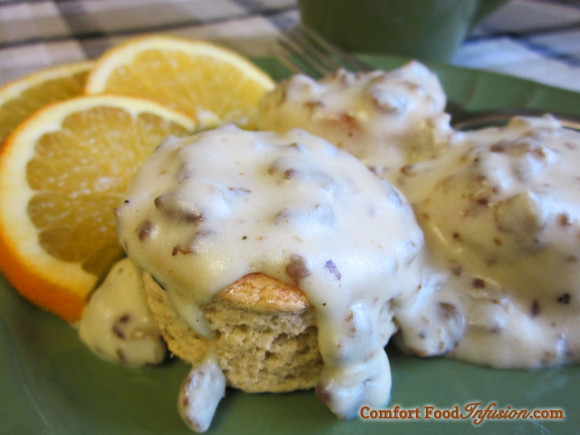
x: 298, y: 210
x: 384, y: 118
x: 501, y: 215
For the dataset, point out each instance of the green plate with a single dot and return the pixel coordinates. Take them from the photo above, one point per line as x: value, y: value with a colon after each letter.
x: 50, y: 383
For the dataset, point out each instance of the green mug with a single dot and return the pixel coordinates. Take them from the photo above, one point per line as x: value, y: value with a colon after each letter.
x: 422, y: 29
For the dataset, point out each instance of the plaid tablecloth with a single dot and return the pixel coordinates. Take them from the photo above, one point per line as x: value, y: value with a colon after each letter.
x: 534, y: 39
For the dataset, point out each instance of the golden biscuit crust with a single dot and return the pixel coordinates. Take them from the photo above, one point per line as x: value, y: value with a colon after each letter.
x: 259, y: 292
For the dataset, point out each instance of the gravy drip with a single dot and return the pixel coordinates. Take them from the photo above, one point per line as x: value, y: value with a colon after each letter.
x: 117, y: 324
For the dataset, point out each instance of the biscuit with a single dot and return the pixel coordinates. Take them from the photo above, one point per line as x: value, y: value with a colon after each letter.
x: 265, y: 333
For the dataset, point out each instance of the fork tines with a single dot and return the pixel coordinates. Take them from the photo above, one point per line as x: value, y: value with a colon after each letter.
x: 303, y: 50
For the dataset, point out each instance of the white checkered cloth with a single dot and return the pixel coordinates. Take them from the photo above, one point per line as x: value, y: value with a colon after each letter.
x: 534, y: 39
x: 36, y: 34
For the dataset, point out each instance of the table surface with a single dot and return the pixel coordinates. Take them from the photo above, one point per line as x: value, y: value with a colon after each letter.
x: 533, y: 39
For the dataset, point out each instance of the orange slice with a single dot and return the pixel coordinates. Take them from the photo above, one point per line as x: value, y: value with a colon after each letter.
x: 210, y: 83
x: 21, y: 98
x: 62, y: 172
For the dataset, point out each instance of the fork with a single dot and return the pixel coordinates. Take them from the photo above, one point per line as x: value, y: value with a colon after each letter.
x: 302, y: 50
